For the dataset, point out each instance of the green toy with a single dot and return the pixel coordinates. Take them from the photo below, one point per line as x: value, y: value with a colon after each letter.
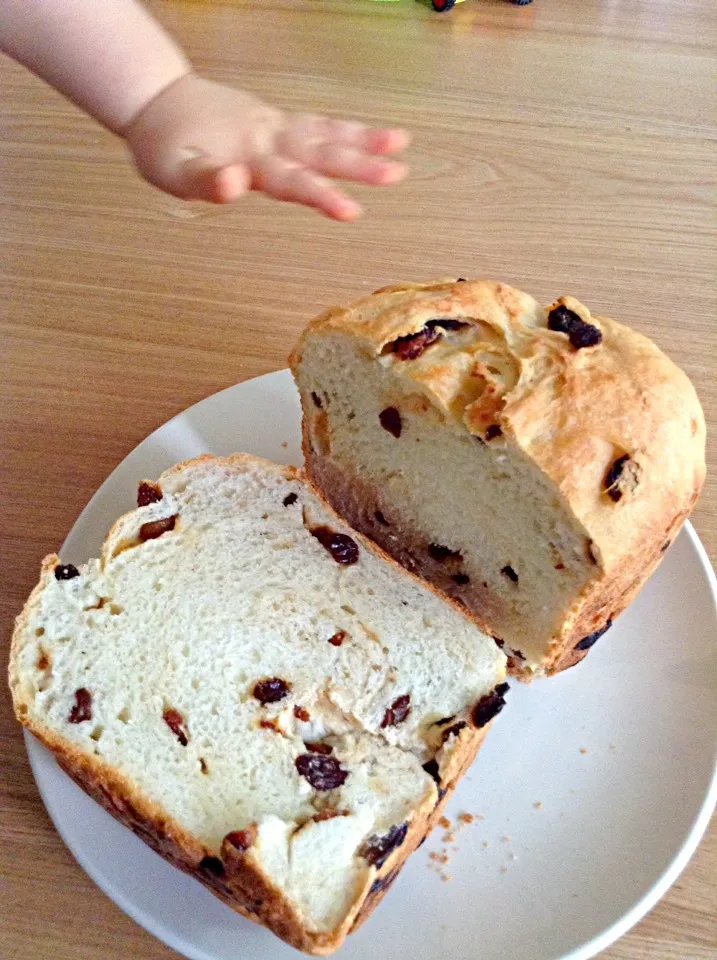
x: 442, y: 5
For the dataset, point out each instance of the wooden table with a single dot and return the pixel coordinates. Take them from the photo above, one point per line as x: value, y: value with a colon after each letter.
x: 562, y: 147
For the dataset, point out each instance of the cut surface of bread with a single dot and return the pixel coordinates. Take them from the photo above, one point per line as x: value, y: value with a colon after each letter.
x: 534, y: 463
x: 258, y: 692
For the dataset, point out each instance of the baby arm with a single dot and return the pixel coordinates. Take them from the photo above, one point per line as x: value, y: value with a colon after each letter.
x: 191, y: 137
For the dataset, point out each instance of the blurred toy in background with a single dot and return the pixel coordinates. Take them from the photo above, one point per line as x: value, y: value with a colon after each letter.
x: 442, y: 5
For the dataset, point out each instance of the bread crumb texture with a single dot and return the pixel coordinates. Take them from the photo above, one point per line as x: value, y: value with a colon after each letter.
x: 187, y: 679
x: 532, y: 462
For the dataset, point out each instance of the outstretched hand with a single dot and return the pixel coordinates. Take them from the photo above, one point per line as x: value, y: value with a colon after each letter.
x: 204, y: 141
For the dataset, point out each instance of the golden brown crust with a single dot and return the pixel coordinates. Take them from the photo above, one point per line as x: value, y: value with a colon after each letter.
x: 471, y: 741
x: 600, y: 604
x: 572, y: 412
x: 605, y: 599
x: 14, y: 680
x: 234, y: 877
x: 234, y: 459
x: 241, y: 886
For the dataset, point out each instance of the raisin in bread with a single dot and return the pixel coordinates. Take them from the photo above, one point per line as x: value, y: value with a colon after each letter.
x: 258, y: 692
x: 534, y: 463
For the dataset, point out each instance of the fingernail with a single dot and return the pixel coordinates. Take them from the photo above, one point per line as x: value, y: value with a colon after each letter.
x: 392, y: 173
x: 348, y: 212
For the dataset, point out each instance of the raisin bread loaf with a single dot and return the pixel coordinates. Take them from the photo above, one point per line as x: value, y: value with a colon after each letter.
x: 258, y: 692
x: 534, y: 463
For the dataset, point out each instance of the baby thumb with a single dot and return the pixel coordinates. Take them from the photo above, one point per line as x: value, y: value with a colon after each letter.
x: 201, y: 179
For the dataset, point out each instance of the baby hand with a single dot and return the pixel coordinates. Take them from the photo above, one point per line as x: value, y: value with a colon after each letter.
x: 203, y: 141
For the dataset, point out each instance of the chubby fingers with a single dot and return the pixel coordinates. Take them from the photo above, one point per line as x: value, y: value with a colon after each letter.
x: 285, y: 179
x: 375, y: 140
x: 386, y: 141
x: 380, y: 141
x: 200, y: 179
x: 343, y: 149
x: 348, y: 163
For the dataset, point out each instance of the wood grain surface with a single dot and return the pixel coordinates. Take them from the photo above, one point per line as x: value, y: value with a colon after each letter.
x: 564, y: 147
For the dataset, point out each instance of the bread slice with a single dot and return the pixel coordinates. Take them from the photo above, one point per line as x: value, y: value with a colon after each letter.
x: 534, y: 463
x: 258, y: 692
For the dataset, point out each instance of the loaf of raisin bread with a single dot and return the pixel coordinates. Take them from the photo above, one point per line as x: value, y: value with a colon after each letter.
x: 258, y: 692
x: 533, y: 463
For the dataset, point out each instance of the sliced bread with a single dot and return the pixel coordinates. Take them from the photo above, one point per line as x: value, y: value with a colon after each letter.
x: 534, y: 463
x: 258, y: 692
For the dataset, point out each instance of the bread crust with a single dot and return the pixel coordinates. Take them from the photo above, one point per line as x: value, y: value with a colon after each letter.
x: 572, y: 412
x: 234, y: 877
x: 242, y: 885
x: 462, y: 758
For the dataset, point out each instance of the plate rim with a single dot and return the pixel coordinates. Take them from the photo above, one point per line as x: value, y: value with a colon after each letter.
x: 139, y: 914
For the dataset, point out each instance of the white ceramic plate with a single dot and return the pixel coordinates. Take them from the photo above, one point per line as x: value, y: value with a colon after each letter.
x: 595, y: 787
